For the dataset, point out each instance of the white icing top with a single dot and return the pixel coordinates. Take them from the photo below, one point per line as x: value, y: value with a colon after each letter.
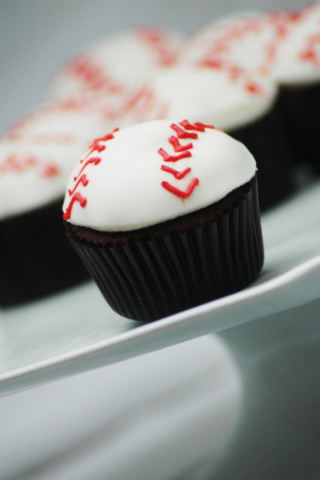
x: 241, y: 38
x: 117, y: 63
x: 298, y: 56
x: 224, y: 95
x: 65, y: 121
x: 129, y: 184
x: 38, y: 153
x: 283, y: 45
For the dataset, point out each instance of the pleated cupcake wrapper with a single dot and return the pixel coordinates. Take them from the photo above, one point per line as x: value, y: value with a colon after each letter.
x: 36, y: 256
x: 151, y: 279
x: 300, y: 113
x: 268, y: 141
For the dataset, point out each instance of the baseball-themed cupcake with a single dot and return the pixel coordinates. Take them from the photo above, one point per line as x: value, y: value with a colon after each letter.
x: 296, y: 68
x: 165, y: 216
x: 232, y: 98
x: 36, y: 158
x: 245, y: 39
x: 282, y: 45
x: 117, y: 63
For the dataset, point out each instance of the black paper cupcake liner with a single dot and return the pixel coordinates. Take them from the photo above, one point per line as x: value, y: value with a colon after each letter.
x: 268, y: 141
x: 300, y: 112
x: 152, y: 278
x: 36, y: 257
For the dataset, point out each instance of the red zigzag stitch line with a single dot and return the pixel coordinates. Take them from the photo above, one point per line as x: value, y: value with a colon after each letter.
x: 181, y: 133
x: 97, y: 147
x: 176, y: 173
x: 77, y: 197
x: 177, y: 145
x: 180, y: 193
x: 83, y: 179
x: 173, y: 158
x: 94, y: 160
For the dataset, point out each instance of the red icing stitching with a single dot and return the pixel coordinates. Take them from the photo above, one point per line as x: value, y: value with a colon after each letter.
x: 83, y: 179
x: 20, y: 162
x: 177, y: 146
x: 141, y: 96
x: 94, y: 160
x: 180, y: 193
x: 142, y: 105
x: 77, y: 197
x: 24, y: 128
x: 281, y: 21
x: 176, y: 173
x: 50, y: 170
x: 254, y: 88
x: 182, y: 133
x: 200, y: 127
x: 311, y: 52
x: 173, y: 158
x: 235, y: 73
x: 158, y: 41
x: 92, y: 75
x: 228, y: 35
x: 96, y: 145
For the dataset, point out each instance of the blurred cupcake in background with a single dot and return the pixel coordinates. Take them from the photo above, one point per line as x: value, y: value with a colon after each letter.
x: 118, y: 62
x: 296, y: 67
x: 36, y: 157
x: 283, y: 46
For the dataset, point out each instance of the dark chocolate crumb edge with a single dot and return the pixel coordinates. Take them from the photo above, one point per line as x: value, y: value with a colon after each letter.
x: 95, y: 238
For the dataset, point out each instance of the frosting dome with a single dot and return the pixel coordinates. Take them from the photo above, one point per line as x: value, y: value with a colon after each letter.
x: 283, y: 45
x: 31, y: 175
x: 64, y: 122
x: 38, y: 153
x: 152, y: 172
x: 222, y: 94
x: 297, y: 59
x: 242, y: 38
x: 118, y: 62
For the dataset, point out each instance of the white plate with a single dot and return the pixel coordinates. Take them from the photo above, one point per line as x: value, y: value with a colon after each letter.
x: 77, y: 331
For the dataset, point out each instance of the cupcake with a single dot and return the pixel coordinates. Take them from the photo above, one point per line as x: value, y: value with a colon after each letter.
x: 117, y: 63
x: 283, y: 46
x: 36, y: 158
x: 295, y: 66
x: 245, y: 39
x: 165, y: 216
x: 232, y: 98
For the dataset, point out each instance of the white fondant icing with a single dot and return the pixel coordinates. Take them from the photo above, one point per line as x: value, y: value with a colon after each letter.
x: 241, y: 38
x: 23, y: 183
x: 272, y: 44
x: 294, y: 64
x: 125, y: 189
x: 54, y: 136
x: 66, y: 121
x: 117, y: 63
x: 225, y: 97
